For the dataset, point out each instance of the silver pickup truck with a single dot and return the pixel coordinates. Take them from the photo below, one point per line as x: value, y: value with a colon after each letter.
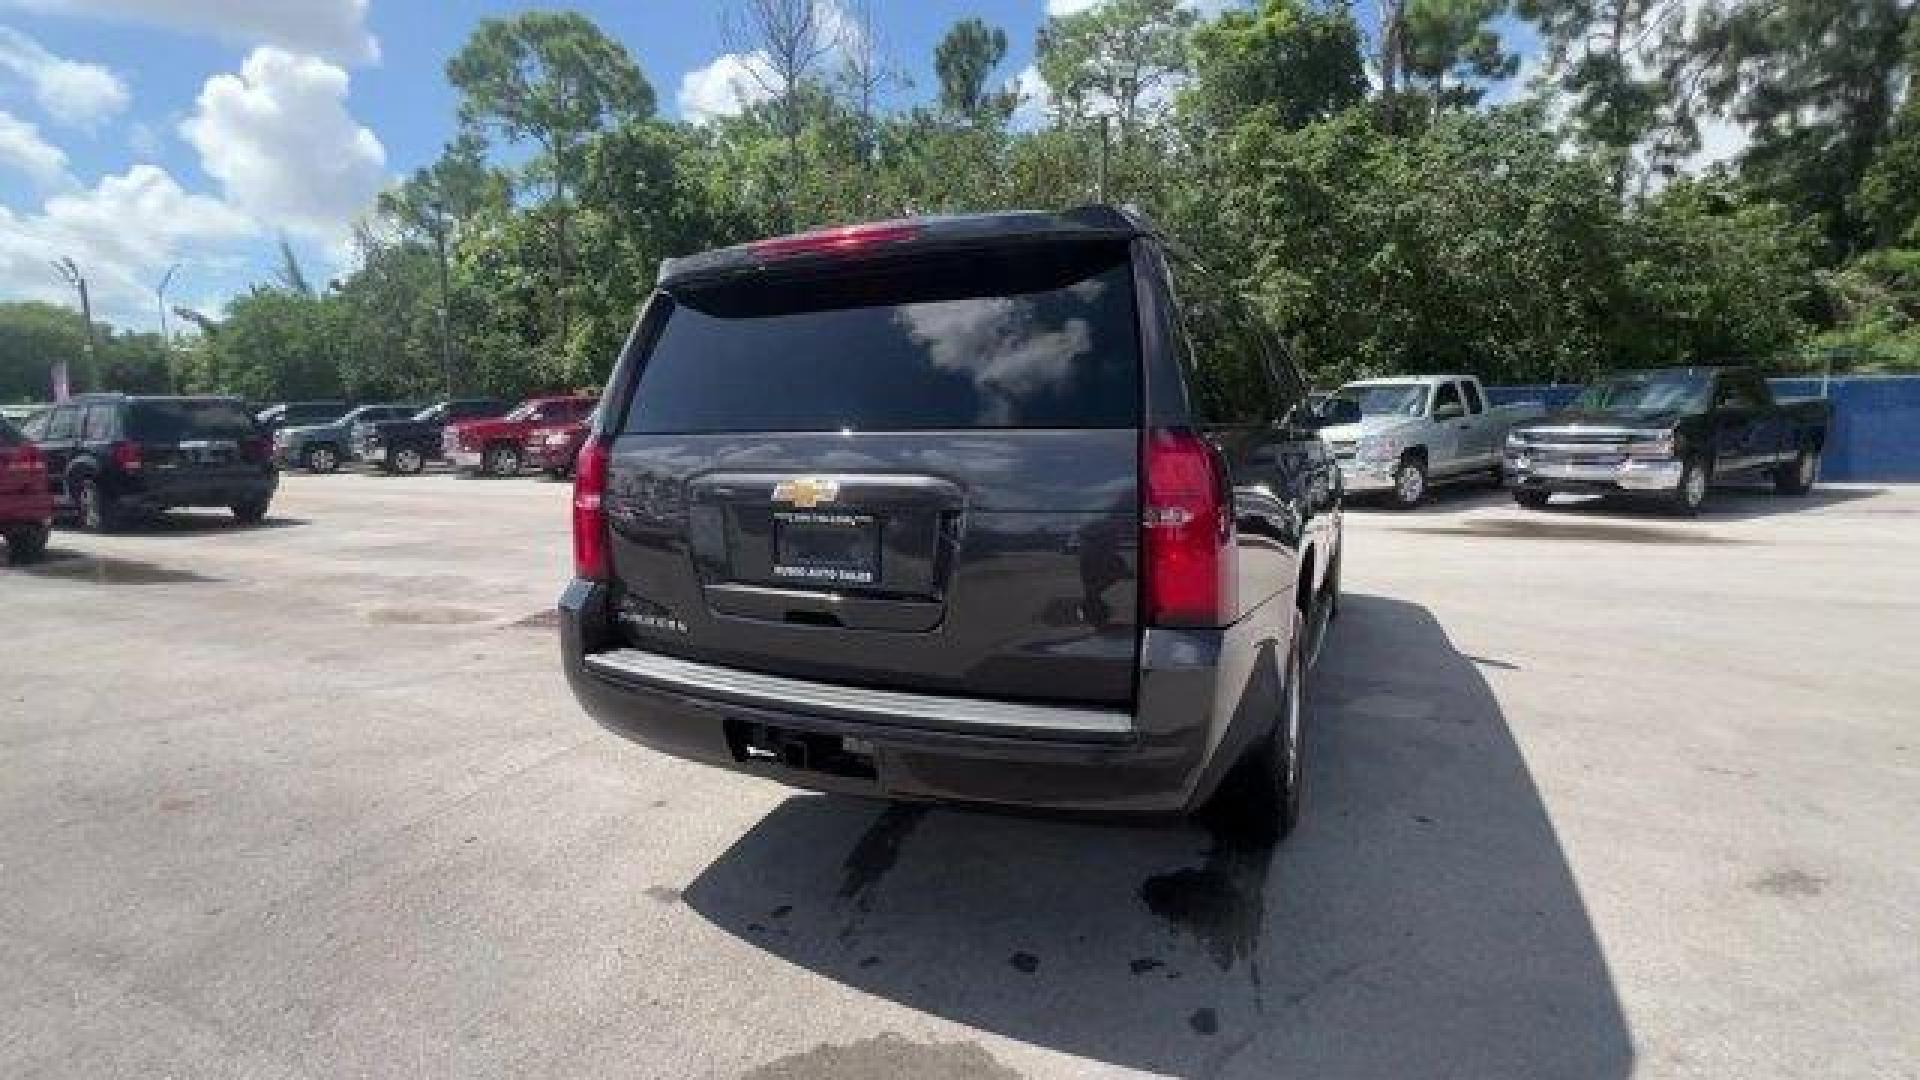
x: 1401, y: 435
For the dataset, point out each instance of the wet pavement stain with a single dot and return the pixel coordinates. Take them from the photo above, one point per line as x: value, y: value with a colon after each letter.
x: 876, y: 851
x: 885, y: 1057
x: 1536, y: 529
x: 103, y: 570
x: 1146, y: 964
x: 663, y: 894
x: 1791, y: 881
x: 1221, y: 902
x: 1204, y: 1021
x: 1024, y: 962
x: 427, y: 616
x: 540, y: 620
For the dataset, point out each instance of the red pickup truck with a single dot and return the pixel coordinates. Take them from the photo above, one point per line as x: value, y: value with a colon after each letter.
x: 497, y: 447
x: 26, y: 501
x: 553, y: 448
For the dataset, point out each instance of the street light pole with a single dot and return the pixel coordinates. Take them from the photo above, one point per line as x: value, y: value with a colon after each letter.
x: 69, y: 271
x: 166, y: 340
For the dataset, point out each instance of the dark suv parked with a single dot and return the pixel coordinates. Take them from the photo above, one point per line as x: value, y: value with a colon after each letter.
x: 405, y: 446
x: 110, y: 457
x: 1016, y: 510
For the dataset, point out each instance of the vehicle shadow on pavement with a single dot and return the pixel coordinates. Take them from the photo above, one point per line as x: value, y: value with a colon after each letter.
x: 1422, y: 922
x: 1732, y: 503
x: 176, y: 523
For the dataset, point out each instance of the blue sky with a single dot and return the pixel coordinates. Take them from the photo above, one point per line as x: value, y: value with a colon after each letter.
x: 138, y: 133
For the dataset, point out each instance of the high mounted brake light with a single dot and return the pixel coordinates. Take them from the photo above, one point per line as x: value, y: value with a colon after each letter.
x: 844, y: 240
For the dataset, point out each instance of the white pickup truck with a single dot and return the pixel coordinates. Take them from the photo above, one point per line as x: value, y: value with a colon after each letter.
x: 1403, y: 434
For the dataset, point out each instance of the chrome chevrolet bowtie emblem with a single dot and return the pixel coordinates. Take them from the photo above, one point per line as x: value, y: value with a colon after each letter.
x: 806, y: 493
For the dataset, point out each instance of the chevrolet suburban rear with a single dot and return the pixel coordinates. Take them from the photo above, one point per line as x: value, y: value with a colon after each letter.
x: 959, y: 509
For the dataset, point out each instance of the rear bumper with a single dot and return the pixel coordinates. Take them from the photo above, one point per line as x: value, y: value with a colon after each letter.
x: 164, y: 492
x: 1528, y: 472
x: 1161, y: 760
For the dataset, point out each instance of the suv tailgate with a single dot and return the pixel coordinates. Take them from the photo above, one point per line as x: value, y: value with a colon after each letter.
x: 919, y: 475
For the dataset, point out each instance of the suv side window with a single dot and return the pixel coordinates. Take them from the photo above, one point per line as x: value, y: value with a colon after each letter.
x: 65, y: 420
x: 97, y: 423
x: 1448, y: 395
x: 1475, y: 405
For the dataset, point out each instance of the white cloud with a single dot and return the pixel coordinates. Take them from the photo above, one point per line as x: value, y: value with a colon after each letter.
x: 71, y: 92
x: 123, y: 232
x: 22, y: 148
x: 1035, y: 99
x: 1206, y: 9
x: 279, y: 139
x: 725, y: 87
x: 331, y: 28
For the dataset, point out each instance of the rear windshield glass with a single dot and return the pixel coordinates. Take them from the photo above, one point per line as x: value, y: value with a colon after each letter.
x: 1033, y: 339
x: 172, y: 421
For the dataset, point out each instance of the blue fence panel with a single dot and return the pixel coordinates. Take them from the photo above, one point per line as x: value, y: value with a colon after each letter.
x: 1875, y: 437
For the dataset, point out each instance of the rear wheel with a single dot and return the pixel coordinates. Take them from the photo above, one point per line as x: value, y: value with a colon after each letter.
x: 1259, y: 801
x: 1532, y: 500
x: 320, y: 459
x: 1796, y: 477
x: 406, y: 461
x: 97, y: 510
x: 27, y: 543
x: 1409, y: 483
x: 250, y: 512
x: 502, y: 459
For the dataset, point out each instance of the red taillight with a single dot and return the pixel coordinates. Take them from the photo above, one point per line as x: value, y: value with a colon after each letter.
x: 848, y: 238
x: 1186, y: 531
x: 126, y: 454
x: 590, y: 555
x: 25, y: 458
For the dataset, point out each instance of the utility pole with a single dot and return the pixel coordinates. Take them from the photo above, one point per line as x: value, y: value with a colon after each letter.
x: 1100, y: 180
x: 166, y: 340
x: 70, y: 272
x: 446, y: 295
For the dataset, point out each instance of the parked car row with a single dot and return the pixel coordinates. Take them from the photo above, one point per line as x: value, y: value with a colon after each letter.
x: 481, y: 435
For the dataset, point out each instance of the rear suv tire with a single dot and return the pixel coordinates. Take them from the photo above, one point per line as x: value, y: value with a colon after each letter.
x: 27, y: 543
x: 96, y: 510
x: 1259, y: 801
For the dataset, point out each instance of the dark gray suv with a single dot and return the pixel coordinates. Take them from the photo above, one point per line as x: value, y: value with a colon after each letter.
x: 1015, y: 510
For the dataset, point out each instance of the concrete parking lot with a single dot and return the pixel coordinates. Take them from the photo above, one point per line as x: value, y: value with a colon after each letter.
x: 1591, y: 794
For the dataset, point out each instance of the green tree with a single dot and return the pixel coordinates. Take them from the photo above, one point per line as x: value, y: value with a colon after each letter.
x: 1299, y: 61
x: 1818, y: 82
x: 964, y: 61
x: 1605, y: 56
x: 1715, y: 275
x: 1118, y: 59
x: 33, y: 338
x: 552, y: 78
x: 431, y: 206
x: 1455, y: 39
